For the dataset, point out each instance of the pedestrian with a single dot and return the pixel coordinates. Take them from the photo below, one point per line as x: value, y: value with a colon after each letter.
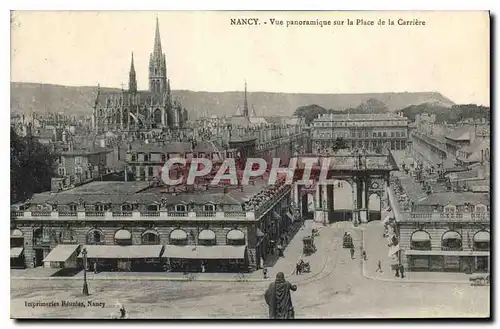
x: 379, y: 267
x: 95, y: 267
x: 363, y: 254
x: 402, y: 271
x: 202, y: 267
x: 264, y: 272
x: 352, y: 252
x: 297, y: 269
x: 123, y: 312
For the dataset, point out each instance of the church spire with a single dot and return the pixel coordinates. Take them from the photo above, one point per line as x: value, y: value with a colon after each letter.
x: 157, y: 54
x: 132, y: 80
x: 245, y: 104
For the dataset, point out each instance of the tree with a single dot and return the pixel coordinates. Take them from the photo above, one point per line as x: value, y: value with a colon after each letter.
x: 32, y: 167
x: 310, y: 112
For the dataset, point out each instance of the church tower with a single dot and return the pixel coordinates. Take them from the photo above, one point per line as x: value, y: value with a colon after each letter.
x: 245, y: 104
x: 157, y: 66
x: 132, y: 80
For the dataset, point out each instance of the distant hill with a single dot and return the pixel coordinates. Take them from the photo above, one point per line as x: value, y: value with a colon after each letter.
x: 451, y: 114
x: 79, y: 100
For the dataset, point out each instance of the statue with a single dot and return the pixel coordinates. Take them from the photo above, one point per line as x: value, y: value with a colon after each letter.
x: 279, y: 298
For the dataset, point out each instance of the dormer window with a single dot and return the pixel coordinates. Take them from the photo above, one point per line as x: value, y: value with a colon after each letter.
x: 99, y: 207
x: 180, y: 208
x: 126, y: 207
x: 72, y: 207
x: 450, y: 209
x: 480, y: 208
x: 209, y: 207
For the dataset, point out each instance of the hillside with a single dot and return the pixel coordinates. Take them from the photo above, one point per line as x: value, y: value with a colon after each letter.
x: 451, y: 114
x: 79, y: 100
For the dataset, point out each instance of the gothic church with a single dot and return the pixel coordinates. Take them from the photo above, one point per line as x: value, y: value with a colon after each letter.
x: 133, y: 110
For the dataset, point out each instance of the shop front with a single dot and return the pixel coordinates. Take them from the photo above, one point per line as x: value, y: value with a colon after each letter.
x: 135, y: 258
x: 447, y: 261
x: 191, y: 258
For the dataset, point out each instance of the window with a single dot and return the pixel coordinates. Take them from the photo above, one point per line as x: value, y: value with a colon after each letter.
x: 126, y: 207
x: 147, y: 157
x: 134, y: 157
x: 450, y: 209
x: 420, y: 240
x: 480, y: 208
x: 180, y: 208
x: 209, y: 207
x: 150, y: 171
x: 78, y: 170
x: 392, y: 133
x: 99, y: 207
x: 73, y: 207
x: 153, y: 207
x: 78, y: 161
x: 451, y: 240
x: 163, y: 158
x: 61, y: 171
x: 95, y: 237
x: 150, y: 238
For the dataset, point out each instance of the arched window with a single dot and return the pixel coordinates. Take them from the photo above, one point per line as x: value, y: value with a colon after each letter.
x: 123, y: 237
x: 420, y: 240
x: 207, y: 238
x: 235, y: 238
x: 150, y: 237
x: 482, y: 241
x: 99, y: 207
x: 451, y: 240
x: 178, y: 237
x: 95, y: 236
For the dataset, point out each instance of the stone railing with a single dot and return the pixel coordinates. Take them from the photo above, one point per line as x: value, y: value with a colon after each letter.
x: 135, y: 215
x: 442, y: 217
x: 40, y: 213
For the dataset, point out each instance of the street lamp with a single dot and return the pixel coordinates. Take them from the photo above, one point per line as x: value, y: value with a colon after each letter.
x: 85, y: 285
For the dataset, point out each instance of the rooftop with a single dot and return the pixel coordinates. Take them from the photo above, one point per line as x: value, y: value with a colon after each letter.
x: 360, y: 117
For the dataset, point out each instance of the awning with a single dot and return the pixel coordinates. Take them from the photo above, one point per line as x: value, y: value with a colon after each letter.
x: 123, y: 235
x: 445, y: 253
x: 61, y: 253
x: 16, y: 233
x: 451, y: 235
x: 204, y: 252
x: 235, y: 235
x: 276, y: 215
x: 178, y: 235
x: 206, y: 235
x: 122, y: 252
x: 393, y: 250
x: 482, y: 236
x: 16, y: 252
x: 420, y: 236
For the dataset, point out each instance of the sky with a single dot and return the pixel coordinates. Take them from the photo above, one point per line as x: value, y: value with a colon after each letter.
x: 204, y: 52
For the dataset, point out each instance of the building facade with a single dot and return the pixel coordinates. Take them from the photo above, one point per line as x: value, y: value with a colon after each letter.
x: 446, y: 231
x: 362, y: 131
x: 129, y: 225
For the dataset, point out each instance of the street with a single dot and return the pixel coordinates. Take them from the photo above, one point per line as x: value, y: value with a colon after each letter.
x: 337, y: 289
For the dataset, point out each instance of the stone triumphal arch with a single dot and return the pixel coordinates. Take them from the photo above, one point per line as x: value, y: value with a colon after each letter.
x: 367, y: 174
